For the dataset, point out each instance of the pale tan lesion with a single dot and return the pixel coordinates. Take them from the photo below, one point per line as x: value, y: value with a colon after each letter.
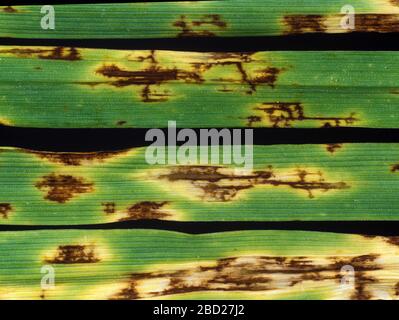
x: 383, y: 7
x: 260, y: 274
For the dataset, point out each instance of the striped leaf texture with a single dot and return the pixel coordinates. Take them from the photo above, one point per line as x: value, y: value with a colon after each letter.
x: 173, y: 19
x: 60, y: 211
x: 149, y: 264
x: 289, y: 182
x: 78, y: 88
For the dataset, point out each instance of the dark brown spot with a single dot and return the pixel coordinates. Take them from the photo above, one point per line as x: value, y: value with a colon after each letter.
x: 10, y: 9
x: 254, y: 273
x: 397, y: 289
x: 61, y: 188
x: 76, y: 158
x: 395, y: 168
x: 376, y: 23
x: 144, y: 77
x: 58, y: 53
x: 284, y: 114
x: 266, y: 75
x: 222, y: 187
x: 361, y: 283
x: 109, y: 207
x: 61, y: 53
x: 359, y: 263
x: 362, y: 266
x: 146, y: 210
x: 42, y: 295
x: 5, y: 209
x: 369, y: 22
x: 129, y: 293
x: 333, y: 147
x: 195, y: 28
x: 155, y: 75
x: 252, y: 120
x: 393, y: 240
x: 296, y: 24
x: 72, y: 254
x: 121, y: 123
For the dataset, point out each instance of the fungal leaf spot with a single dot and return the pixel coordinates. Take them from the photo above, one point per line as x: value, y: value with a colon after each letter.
x: 74, y: 254
x: 252, y: 274
x: 219, y: 184
x: 61, y: 188
x: 286, y: 114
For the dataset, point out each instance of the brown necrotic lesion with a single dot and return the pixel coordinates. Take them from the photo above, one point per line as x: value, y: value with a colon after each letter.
x: 200, y: 27
x: 9, y: 9
x: 286, y: 114
x: 219, y: 184
x: 61, y: 188
x: 296, y: 24
x: 5, y: 210
x: 74, y: 254
x: 364, y: 22
x: 152, y: 77
x: 143, y: 210
x: 146, y: 210
x: 109, y: 207
x: 333, y: 147
x: 376, y: 23
x: 253, y: 274
x: 264, y: 76
x: 57, y: 53
x: 77, y: 158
